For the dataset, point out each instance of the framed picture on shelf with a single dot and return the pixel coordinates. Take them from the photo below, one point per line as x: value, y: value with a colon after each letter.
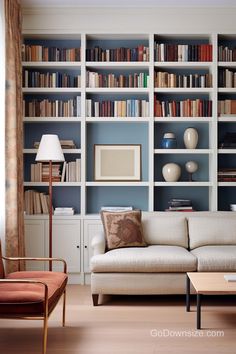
x: 117, y: 162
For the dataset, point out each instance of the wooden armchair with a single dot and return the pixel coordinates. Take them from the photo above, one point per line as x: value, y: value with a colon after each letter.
x: 32, y: 295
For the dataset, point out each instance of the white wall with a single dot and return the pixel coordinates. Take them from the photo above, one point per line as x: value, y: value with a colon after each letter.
x: 2, y: 125
x: 142, y: 20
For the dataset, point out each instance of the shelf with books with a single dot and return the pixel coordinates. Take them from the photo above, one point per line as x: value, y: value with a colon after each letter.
x: 51, y: 119
x: 55, y: 184
x: 109, y: 90
x: 51, y: 90
x: 195, y: 65
x: 184, y: 90
x: 182, y: 119
x: 199, y: 195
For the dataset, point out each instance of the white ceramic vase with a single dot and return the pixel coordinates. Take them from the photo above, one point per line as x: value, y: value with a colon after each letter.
x: 171, y: 172
x: 190, y: 138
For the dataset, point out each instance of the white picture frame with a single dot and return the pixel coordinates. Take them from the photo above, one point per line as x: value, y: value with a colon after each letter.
x: 117, y: 162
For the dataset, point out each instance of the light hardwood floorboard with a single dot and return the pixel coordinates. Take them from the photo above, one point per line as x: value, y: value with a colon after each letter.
x: 123, y: 325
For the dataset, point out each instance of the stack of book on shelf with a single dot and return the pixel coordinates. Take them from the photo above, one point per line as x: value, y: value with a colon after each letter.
x: 226, y: 54
x: 39, y: 172
x: 42, y: 53
x: 68, y: 172
x: 182, y: 52
x: 36, y: 202
x: 186, y: 108
x: 64, y: 211
x: 176, y: 204
x: 71, y: 171
x: 166, y: 79
x: 49, y: 79
x: 226, y: 78
x: 116, y: 208
x: 124, y: 108
x: 226, y: 107
x: 141, y: 53
x: 227, y: 175
x: 52, y: 108
x: 65, y: 144
x: 94, y: 79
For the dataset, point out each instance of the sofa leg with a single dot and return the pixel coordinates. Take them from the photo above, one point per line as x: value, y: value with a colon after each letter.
x: 95, y: 299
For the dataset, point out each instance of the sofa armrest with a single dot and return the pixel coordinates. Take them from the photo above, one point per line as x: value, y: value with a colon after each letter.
x: 98, y: 244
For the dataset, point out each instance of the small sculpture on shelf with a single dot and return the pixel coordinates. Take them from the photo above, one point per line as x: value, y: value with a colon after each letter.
x: 171, y: 172
x: 190, y: 138
x: 169, y: 141
x: 191, y: 167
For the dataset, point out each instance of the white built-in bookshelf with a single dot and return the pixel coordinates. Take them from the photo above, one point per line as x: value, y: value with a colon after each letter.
x: 152, y: 192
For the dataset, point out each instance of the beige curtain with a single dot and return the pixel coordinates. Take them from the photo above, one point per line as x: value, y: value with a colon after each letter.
x: 14, y: 136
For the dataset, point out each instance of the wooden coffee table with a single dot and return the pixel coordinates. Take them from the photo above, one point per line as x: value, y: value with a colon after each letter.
x: 207, y: 284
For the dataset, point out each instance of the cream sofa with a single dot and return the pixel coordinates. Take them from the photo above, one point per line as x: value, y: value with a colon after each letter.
x: 177, y: 243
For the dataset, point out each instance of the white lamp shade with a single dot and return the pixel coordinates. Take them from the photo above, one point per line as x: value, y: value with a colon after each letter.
x: 50, y: 149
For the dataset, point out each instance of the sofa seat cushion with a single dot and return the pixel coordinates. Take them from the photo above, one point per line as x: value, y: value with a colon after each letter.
x: 22, y: 298
x: 150, y: 259
x: 215, y: 258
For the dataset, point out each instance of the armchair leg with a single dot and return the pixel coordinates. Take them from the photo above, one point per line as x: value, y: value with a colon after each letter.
x: 45, y: 334
x: 95, y: 299
x: 64, y: 309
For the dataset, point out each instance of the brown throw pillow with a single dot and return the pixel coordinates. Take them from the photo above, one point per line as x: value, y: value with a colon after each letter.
x: 123, y: 229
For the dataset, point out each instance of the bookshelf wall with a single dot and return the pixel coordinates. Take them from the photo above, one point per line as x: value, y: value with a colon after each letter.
x: 192, y: 65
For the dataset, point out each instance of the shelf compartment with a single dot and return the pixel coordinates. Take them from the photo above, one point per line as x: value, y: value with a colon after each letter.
x: 69, y: 197
x: 199, y: 195
x: 98, y: 196
x: 201, y: 175
x: 63, y: 130
x: 109, y: 133
x: 178, y: 130
x: 226, y: 195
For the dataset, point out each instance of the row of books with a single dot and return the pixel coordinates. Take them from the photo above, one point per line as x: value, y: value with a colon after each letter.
x: 43, y: 53
x: 226, y: 107
x: 52, y: 108
x: 140, y: 53
x: 176, y: 204
x: 182, y: 52
x: 68, y: 172
x: 226, y: 54
x: 65, y: 144
x: 226, y: 78
x: 49, y: 79
x: 186, y: 108
x: 36, y: 202
x: 125, y: 108
x: 165, y: 79
x: 227, y: 175
x: 94, y: 79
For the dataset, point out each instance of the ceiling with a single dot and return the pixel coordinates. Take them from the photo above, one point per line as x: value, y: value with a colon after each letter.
x: 128, y: 3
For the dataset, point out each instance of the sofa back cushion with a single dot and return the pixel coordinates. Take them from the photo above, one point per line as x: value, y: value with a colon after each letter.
x: 165, y: 230
x: 212, y: 230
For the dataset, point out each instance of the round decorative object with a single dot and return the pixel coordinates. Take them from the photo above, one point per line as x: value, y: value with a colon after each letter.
x: 171, y: 172
x: 191, y: 167
x: 190, y: 138
x: 169, y: 141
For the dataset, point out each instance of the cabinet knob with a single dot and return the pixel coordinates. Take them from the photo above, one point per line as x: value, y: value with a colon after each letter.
x: 85, y: 246
x: 77, y: 246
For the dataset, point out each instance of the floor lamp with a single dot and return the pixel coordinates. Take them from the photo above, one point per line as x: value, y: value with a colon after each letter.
x: 50, y: 151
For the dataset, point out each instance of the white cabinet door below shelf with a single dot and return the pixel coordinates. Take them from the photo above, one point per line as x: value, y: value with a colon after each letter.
x: 66, y: 244
x: 35, y: 243
x: 91, y: 228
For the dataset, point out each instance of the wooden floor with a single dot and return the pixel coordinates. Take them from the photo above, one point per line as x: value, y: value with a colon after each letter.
x: 127, y: 325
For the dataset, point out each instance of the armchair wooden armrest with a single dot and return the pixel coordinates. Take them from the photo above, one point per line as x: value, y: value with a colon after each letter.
x: 40, y: 259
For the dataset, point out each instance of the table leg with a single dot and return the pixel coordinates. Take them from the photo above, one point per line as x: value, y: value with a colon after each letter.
x: 198, y: 311
x: 187, y: 293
